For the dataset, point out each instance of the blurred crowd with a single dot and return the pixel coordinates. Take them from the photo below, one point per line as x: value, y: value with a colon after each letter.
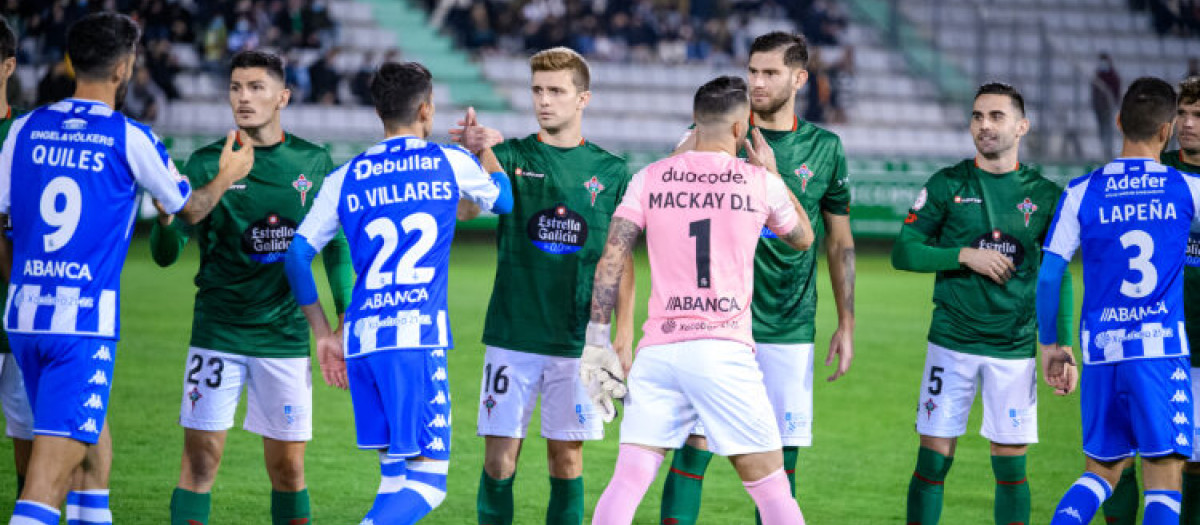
x: 1176, y: 17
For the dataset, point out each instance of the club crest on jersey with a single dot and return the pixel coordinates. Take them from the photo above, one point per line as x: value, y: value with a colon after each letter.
x: 302, y: 185
x: 805, y: 174
x: 594, y: 187
x: 1028, y: 208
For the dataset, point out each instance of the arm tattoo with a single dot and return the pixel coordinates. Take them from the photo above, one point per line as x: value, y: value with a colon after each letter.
x: 202, y: 202
x: 622, y: 234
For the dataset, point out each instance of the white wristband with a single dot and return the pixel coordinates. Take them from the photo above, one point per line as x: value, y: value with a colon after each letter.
x: 598, y: 334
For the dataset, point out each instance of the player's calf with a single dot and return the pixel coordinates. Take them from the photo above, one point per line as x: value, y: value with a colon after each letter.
x: 635, y: 471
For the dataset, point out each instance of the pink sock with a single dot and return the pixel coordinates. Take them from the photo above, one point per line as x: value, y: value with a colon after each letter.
x: 774, y: 498
x: 636, y: 468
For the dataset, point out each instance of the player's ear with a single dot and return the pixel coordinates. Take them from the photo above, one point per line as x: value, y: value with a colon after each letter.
x: 799, y: 78
x: 10, y: 65
x: 584, y: 98
x: 1022, y: 127
x: 285, y: 96
x: 1165, y: 131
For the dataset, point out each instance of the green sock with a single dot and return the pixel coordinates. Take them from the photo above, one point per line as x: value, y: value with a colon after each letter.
x: 494, y: 504
x: 925, y: 488
x: 566, y: 502
x: 1012, y: 490
x: 681, y: 490
x: 290, y: 508
x: 20, y: 485
x: 1122, y: 507
x: 790, y: 456
x: 1190, y: 512
x: 190, y: 508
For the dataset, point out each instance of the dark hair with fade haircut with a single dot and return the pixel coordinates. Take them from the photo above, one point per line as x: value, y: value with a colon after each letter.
x: 1000, y: 88
x: 1189, y: 90
x: 8, y: 40
x: 719, y: 96
x: 97, y: 42
x: 255, y: 58
x: 795, y: 53
x: 398, y: 89
x: 1147, y: 105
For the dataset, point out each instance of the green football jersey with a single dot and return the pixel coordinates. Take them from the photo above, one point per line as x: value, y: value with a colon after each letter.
x: 1191, y: 274
x: 813, y: 166
x: 563, y: 200
x: 964, y: 206
x: 5, y: 124
x: 244, y: 304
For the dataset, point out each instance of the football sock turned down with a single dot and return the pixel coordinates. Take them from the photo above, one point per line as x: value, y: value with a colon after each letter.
x: 683, y: 486
x: 1012, y: 490
x: 925, y: 489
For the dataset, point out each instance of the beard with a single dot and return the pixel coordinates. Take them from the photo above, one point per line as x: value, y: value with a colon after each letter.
x: 772, y: 105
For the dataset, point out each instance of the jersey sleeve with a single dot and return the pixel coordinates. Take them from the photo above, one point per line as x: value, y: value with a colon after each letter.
x: 153, y: 168
x: 928, y: 211
x: 1063, y: 238
x: 321, y: 223
x: 837, y: 196
x: 631, y: 207
x: 781, y: 213
x: 6, y: 162
x: 474, y: 183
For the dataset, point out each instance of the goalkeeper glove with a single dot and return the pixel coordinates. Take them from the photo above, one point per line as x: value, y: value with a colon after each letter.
x: 600, y: 370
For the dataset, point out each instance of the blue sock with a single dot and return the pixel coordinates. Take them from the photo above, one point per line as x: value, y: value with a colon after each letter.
x: 1162, y: 506
x: 1081, y: 501
x: 392, y: 474
x: 424, y: 489
x: 88, y: 507
x: 33, y: 513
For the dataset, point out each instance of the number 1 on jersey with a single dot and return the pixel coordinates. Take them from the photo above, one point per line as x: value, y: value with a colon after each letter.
x: 702, y: 231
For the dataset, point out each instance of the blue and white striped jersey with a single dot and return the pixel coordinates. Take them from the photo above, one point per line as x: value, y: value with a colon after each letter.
x: 1131, y: 218
x: 397, y: 203
x: 69, y: 174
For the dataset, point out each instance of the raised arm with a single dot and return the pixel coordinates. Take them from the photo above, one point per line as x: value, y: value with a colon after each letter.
x: 232, y: 166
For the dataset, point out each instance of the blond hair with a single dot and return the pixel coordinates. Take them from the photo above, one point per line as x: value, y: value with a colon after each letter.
x: 563, y: 59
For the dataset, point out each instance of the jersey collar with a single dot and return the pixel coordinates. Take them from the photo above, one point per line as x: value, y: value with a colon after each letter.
x: 582, y: 141
x: 1015, y: 167
x: 237, y: 137
x: 795, y: 121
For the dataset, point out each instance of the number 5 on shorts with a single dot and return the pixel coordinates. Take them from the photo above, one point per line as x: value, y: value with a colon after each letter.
x: 935, y: 382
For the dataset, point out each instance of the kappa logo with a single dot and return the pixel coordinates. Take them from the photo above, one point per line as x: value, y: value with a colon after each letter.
x: 367, y: 521
x: 103, y: 354
x: 99, y: 378
x: 1179, y: 375
x: 438, y: 422
x: 89, y: 426
x: 94, y: 402
x: 1179, y: 419
x: 438, y: 353
x: 1181, y: 440
x: 437, y: 445
x: 1179, y: 397
x: 1070, y: 511
x: 439, y: 374
x: 439, y: 399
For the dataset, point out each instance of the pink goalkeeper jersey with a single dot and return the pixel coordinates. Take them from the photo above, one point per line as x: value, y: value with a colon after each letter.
x: 703, y: 213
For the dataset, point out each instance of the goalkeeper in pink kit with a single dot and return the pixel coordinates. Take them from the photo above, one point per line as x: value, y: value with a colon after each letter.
x: 702, y: 211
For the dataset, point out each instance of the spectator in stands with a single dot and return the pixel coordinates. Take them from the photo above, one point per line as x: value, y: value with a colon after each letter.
x: 144, y: 101
x: 360, y: 84
x: 243, y: 37
x: 1106, y: 90
x: 1193, y: 69
x: 163, y: 67
x: 324, y: 79
x: 57, y: 84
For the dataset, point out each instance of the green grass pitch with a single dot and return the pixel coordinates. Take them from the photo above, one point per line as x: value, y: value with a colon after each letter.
x: 857, y: 472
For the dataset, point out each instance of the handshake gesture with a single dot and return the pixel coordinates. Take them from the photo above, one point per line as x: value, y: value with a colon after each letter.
x: 601, y: 371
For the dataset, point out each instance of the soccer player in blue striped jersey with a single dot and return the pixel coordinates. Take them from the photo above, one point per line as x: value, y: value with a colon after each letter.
x: 69, y: 174
x: 397, y: 203
x: 1131, y: 220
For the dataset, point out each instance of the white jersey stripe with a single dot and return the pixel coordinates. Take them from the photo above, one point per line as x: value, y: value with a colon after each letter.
x: 27, y: 308
x: 108, y: 313
x: 442, y: 328
x: 66, y: 309
x: 1152, y: 346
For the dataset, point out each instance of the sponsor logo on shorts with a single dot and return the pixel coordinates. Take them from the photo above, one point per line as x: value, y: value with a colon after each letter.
x: 437, y: 445
x: 1179, y: 419
x: 579, y: 413
x: 293, y: 414
x: 438, y: 422
x: 1179, y: 397
x: 103, y: 354
x: 94, y: 402
x: 439, y: 374
x: 99, y: 378
x: 489, y: 404
x: 793, y: 421
x: 1018, y: 416
x: 194, y: 396
x: 929, y: 407
x: 89, y: 426
x: 1179, y: 375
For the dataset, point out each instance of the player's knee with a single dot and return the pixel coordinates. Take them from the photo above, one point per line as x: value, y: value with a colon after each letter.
x: 500, y: 466
x: 566, y: 459
x: 287, y: 474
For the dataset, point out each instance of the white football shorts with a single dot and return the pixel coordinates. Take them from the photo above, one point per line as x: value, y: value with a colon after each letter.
x: 509, y: 391
x: 18, y: 415
x: 278, y: 400
x: 948, y: 390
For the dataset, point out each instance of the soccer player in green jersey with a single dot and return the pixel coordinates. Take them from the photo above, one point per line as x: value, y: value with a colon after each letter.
x: 979, y: 225
x: 247, y: 329
x: 565, y: 190
x: 1122, y: 507
x: 813, y: 167
x: 18, y: 415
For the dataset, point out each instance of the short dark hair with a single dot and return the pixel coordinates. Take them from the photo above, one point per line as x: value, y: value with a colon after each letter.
x: 1000, y: 88
x: 8, y: 40
x: 719, y: 96
x: 255, y: 58
x: 1189, y: 90
x: 1148, y: 104
x: 795, y: 46
x: 398, y: 89
x: 97, y: 42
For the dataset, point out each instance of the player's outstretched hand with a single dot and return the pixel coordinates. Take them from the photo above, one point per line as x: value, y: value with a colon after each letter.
x: 164, y: 218
x: 988, y: 263
x: 842, y: 346
x: 601, y: 372
x: 1059, y: 369
x: 235, y: 164
x: 332, y: 361
x: 759, y: 153
x: 474, y: 137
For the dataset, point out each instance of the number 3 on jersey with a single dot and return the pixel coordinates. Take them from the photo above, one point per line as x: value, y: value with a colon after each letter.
x: 66, y: 219
x: 406, y: 271
x: 1140, y: 263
